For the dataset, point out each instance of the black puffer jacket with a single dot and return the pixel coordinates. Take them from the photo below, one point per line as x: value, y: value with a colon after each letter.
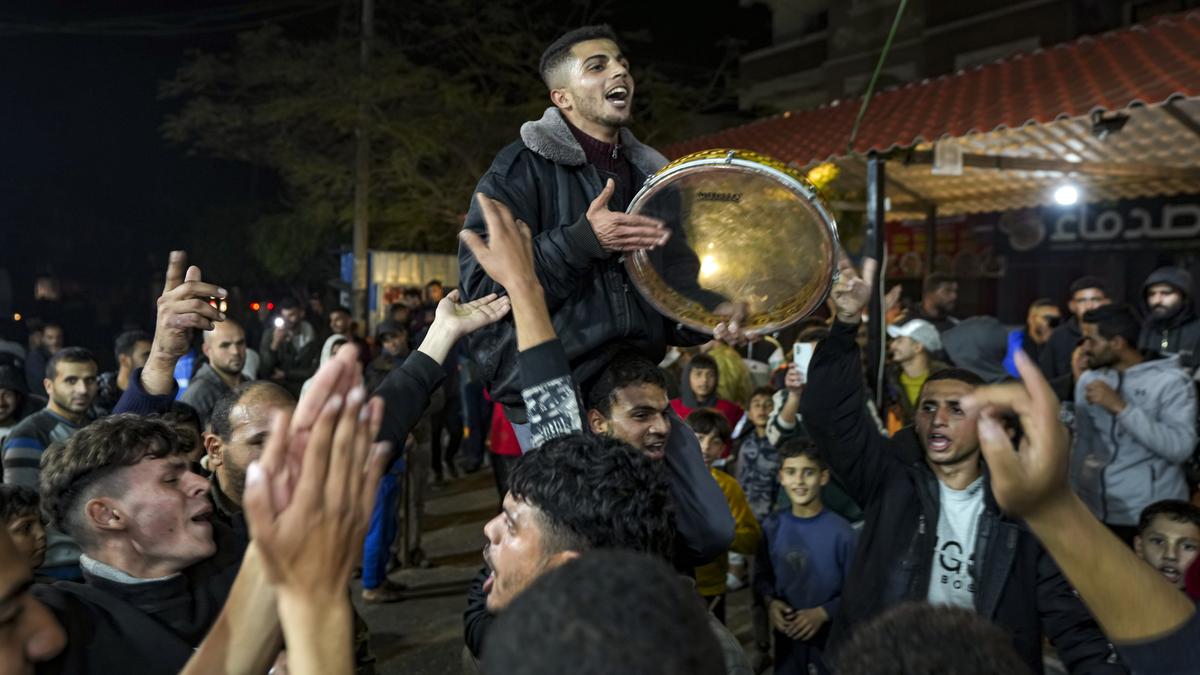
x: 1018, y: 586
x: 545, y: 180
x: 1178, y: 333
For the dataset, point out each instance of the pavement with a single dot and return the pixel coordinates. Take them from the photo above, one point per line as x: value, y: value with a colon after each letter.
x: 422, y: 635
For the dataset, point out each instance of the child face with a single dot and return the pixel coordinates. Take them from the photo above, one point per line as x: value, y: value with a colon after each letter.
x: 712, y: 446
x: 761, y: 407
x: 29, y: 535
x: 802, y: 478
x: 703, y: 382
x: 1169, y: 546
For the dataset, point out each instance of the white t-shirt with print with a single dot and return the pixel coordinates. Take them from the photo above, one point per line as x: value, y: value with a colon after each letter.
x: 952, y: 579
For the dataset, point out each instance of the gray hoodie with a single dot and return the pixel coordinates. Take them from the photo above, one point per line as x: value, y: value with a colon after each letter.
x: 1121, y: 464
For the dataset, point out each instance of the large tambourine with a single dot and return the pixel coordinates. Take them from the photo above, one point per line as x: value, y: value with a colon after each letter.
x: 745, y: 228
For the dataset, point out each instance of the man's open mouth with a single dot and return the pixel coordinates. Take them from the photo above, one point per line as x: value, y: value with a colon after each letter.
x: 937, y: 442
x: 618, y: 96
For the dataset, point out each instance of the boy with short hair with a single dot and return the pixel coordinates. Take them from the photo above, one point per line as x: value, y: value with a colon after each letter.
x: 757, y: 458
x: 802, y: 562
x: 1168, y: 538
x: 20, y: 507
x: 712, y: 429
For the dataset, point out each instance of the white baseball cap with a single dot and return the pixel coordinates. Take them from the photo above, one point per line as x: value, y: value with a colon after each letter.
x: 920, y: 330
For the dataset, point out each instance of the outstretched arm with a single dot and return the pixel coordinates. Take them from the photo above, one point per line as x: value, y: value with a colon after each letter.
x: 1130, y: 600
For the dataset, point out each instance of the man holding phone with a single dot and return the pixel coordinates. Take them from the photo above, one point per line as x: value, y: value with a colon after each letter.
x: 290, y: 349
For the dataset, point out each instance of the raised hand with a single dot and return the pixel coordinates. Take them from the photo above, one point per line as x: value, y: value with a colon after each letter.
x: 852, y: 291
x: 182, y: 308
x: 463, y: 319
x: 619, y: 231
x: 794, y: 380
x: 1028, y: 482
x: 730, y: 331
x: 507, y: 255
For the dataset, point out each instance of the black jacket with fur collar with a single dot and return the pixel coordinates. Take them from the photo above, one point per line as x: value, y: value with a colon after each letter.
x: 545, y: 180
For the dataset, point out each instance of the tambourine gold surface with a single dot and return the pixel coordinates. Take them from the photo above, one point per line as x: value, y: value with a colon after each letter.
x: 745, y: 229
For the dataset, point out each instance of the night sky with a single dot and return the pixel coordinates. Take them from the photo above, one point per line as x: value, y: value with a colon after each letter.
x: 91, y: 194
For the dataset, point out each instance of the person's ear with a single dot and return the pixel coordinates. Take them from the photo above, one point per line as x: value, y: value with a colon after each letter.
x: 597, y: 422
x: 48, y: 385
x: 102, y: 514
x: 824, y: 477
x: 561, y: 558
x: 1137, y: 546
x: 561, y: 98
x: 214, y: 448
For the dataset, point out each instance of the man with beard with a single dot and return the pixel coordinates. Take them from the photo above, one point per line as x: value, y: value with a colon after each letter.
x: 71, y: 386
x: 225, y: 349
x: 939, y: 295
x: 934, y: 532
x: 237, y: 430
x: 1172, y: 326
x: 131, y: 348
x: 570, y: 177
x: 1135, y: 423
x: 1086, y: 294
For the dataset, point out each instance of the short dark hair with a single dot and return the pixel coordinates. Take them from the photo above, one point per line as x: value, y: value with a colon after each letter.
x: 596, y: 492
x: 629, y: 614
x: 74, y: 471
x: 1088, y: 282
x: 1174, y: 509
x: 626, y: 368
x: 763, y: 391
x: 935, y: 281
x: 560, y: 50
x: 959, y: 374
x: 344, y: 310
x: 218, y: 419
x: 17, y: 501
x: 801, y: 447
x: 706, y: 420
x: 398, y: 306
x: 289, y: 302
x: 182, y: 413
x: 1042, y: 302
x: 68, y: 355
x: 917, y: 637
x: 703, y: 362
x: 1116, y: 320
x: 434, y: 282
x: 125, y: 342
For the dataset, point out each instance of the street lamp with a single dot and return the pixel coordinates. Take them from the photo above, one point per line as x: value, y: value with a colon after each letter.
x: 1066, y: 194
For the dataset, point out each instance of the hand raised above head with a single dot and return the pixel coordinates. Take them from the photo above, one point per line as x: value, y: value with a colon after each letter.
x: 852, y: 291
x: 182, y: 307
x: 507, y: 255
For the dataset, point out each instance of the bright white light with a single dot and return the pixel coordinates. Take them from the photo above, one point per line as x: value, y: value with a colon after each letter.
x: 1066, y: 194
x: 708, y: 266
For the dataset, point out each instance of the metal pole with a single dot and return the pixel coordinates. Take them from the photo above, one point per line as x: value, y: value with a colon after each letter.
x: 362, y: 168
x: 874, y: 248
x: 930, y: 237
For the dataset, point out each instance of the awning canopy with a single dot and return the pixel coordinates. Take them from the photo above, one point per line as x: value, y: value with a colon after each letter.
x: 1034, y: 115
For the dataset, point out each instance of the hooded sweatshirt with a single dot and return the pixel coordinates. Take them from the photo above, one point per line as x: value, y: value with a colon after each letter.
x: 1122, y: 463
x: 1178, y: 332
x: 979, y: 344
x: 326, y: 354
x: 687, y: 401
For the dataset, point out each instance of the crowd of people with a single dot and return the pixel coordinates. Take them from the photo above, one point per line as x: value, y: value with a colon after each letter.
x: 1011, y: 499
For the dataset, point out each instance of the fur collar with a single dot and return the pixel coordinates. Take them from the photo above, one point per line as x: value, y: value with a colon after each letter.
x: 550, y: 138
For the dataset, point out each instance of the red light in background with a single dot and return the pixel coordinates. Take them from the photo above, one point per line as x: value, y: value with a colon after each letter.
x: 270, y: 306
x: 255, y: 306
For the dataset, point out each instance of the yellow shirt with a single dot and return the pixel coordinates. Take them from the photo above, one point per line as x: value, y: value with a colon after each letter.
x: 912, y: 386
x: 710, y: 578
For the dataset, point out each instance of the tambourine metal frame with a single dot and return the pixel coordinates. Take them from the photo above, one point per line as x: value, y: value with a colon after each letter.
x: 639, y: 266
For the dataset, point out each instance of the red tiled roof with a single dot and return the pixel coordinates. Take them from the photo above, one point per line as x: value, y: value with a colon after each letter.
x: 1148, y: 63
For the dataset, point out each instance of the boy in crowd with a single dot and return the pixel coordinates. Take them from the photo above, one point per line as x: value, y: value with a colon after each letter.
x: 1168, y: 538
x: 712, y: 429
x: 802, y: 562
x: 758, y: 461
x: 20, y: 509
x: 700, y: 381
